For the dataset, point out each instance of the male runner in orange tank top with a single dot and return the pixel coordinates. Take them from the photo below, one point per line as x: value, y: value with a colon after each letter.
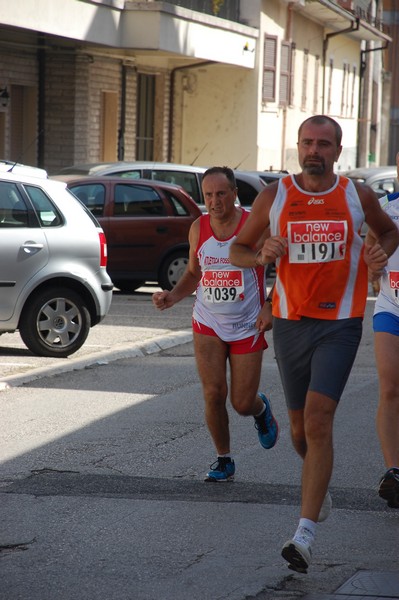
x: 318, y: 300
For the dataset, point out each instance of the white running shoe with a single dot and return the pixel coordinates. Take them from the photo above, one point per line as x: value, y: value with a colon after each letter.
x: 325, y: 508
x: 297, y: 552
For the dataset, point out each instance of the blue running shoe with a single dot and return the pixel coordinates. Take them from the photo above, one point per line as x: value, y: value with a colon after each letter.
x: 266, y: 425
x: 221, y: 470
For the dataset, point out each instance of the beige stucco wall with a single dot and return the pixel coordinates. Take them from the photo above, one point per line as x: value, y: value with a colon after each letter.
x: 219, y: 117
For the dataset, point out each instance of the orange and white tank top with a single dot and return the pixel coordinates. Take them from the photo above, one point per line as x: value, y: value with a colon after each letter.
x: 228, y: 298
x: 323, y: 275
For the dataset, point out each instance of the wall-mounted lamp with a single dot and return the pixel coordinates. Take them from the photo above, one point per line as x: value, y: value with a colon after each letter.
x: 4, y: 97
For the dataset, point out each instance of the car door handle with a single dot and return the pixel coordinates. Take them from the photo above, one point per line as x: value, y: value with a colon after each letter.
x: 162, y: 229
x: 32, y: 247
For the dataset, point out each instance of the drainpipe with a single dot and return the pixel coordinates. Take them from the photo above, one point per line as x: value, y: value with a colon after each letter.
x: 41, y: 61
x: 354, y: 26
x: 362, y: 157
x: 122, y: 128
x: 172, y: 98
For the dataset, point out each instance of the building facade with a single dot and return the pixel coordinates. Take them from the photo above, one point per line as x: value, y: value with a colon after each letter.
x: 196, y: 82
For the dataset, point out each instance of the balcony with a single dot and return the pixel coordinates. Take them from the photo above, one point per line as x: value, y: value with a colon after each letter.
x: 360, y: 9
x: 225, y: 9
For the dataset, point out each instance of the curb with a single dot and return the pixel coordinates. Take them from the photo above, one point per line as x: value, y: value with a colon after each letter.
x: 141, y: 349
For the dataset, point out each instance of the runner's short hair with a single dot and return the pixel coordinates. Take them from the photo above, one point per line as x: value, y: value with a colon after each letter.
x: 322, y: 120
x: 229, y: 173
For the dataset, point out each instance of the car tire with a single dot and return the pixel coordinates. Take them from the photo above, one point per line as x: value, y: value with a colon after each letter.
x: 55, y: 323
x: 172, y: 269
x: 127, y: 286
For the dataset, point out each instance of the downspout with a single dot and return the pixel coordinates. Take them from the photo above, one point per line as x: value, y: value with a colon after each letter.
x: 172, y: 98
x: 288, y: 38
x: 41, y: 61
x: 363, y: 66
x: 122, y: 128
x: 353, y: 27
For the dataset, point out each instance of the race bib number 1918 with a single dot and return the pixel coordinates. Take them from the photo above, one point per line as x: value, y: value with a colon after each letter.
x: 394, y: 284
x: 317, y: 241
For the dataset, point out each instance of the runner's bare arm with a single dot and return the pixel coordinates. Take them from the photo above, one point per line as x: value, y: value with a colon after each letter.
x: 187, y: 284
x: 381, y: 225
x: 383, y: 237
x: 243, y: 251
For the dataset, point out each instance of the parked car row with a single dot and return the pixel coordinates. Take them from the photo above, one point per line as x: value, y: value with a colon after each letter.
x: 64, y: 244
x: 249, y: 183
x: 148, y: 236
x: 146, y: 243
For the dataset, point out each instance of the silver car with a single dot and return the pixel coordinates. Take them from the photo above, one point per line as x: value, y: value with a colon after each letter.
x: 53, y: 259
x: 383, y: 180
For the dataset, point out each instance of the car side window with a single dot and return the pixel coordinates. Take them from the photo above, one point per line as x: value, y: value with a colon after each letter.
x: 246, y: 192
x: 384, y: 186
x: 132, y: 200
x: 188, y: 181
x: 13, y: 210
x: 178, y: 208
x: 128, y: 174
x: 45, y: 210
x: 91, y: 195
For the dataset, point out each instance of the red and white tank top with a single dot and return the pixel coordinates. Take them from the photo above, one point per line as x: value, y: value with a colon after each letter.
x: 228, y: 298
x: 323, y: 275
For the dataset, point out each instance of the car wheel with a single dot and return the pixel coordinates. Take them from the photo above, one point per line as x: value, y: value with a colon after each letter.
x: 172, y: 269
x: 55, y: 323
x: 127, y: 286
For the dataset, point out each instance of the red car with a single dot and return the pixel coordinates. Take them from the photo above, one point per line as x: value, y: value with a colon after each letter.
x: 146, y: 225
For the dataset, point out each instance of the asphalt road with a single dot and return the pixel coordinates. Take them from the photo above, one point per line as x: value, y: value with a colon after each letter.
x: 101, y: 480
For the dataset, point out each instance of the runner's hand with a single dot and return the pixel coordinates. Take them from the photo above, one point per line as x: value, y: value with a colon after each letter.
x: 376, y: 259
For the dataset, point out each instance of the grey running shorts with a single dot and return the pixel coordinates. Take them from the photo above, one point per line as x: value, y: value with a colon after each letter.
x: 315, y: 355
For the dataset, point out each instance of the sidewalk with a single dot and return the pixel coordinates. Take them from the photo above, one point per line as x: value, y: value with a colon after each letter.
x: 142, y: 343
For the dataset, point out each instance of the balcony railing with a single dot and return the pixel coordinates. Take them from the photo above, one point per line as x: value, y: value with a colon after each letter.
x: 360, y: 9
x: 225, y: 9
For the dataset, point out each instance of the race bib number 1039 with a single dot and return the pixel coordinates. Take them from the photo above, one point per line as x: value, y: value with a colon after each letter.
x: 223, y: 286
x: 317, y: 241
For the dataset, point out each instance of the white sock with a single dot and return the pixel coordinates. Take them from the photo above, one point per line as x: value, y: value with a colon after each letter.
x: 261, y: 412
x: 307, y: 524
x: 228, y: 455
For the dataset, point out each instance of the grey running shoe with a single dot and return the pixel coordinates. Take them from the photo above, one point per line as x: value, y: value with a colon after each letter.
x: 297, y: 552
x: 389, y: 487
x: 325, y: 508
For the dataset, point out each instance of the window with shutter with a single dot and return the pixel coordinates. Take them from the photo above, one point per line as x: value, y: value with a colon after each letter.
x: 285, y: 74
x: 269, y: 69
x: 305, y: 69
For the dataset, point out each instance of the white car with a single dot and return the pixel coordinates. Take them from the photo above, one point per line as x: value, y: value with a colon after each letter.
x: 53, y: 259
x: 249, y: 183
